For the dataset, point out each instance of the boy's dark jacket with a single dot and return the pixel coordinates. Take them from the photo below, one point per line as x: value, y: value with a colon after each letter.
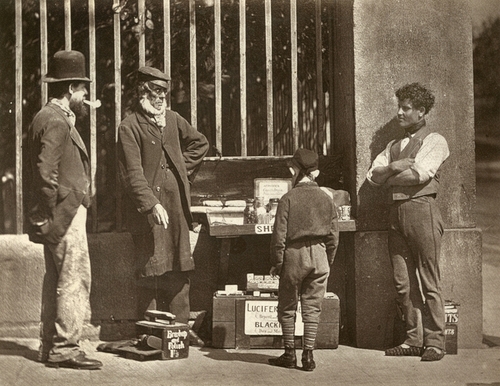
x: 305, y: 213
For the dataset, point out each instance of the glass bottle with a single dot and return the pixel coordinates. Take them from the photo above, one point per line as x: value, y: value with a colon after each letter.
x: 273, y: 206
x: 250, y: 214
x: 261, y: 212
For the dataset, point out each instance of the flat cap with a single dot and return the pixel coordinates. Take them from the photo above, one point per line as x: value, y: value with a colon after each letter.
x: 306, y: 160
x: 151, y: 74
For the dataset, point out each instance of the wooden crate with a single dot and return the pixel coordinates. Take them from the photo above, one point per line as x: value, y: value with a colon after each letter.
x: 175, y: 338
x: 229, y: 328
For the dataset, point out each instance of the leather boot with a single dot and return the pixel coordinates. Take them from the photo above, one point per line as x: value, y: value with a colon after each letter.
x: 308, y: 363
x: 288, y: 359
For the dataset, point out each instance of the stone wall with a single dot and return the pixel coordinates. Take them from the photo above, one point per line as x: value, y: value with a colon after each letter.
x: 393, y: 44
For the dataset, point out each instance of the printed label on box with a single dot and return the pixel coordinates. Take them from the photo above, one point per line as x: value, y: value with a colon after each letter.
x: 261, y: 318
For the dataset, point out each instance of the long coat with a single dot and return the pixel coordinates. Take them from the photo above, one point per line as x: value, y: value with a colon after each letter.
x: 59, y: 174
x: 144, y: 154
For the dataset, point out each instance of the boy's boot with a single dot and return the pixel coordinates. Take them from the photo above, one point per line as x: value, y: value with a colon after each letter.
x: 308, y: 363
x: 288, y: 359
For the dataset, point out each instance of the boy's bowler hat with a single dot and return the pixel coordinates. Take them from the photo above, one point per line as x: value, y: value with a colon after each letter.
x: 66, y: 65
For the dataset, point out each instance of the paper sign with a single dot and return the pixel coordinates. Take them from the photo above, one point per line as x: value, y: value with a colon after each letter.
x: 261, y: 318
x: 268, y: 188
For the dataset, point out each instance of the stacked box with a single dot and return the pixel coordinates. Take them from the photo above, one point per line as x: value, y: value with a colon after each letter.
x: 224, y: 321
x: 451, y: 330
x: 174, y: 338
x: 251, y: 322
x: 262, y: 283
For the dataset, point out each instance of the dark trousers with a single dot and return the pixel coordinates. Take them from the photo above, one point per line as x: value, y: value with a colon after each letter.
x: 415, y: 233
x: 168, y: 292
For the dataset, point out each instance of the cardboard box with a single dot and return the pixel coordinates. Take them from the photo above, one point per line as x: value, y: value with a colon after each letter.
x: 251, y: 322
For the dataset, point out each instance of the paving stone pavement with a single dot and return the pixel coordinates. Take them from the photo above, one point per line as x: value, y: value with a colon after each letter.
x: 207, y: 366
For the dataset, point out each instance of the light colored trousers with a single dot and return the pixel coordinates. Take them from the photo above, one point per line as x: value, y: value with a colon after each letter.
x: 66, y: 292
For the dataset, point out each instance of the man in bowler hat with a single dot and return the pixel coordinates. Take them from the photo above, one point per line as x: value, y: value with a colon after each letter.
x: 158, y: 151
x: 58, y: 196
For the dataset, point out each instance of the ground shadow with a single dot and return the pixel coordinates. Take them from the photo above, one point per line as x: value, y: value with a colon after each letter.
x: 15, y: 349
x: 372, y: 201
x: 491, y: 341
x: 224, y: 355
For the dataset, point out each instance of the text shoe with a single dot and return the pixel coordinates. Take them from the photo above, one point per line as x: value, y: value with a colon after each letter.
x: 79, y: 362
x: 400, y: 351
x: 288, y: 359
x: 308, y: 363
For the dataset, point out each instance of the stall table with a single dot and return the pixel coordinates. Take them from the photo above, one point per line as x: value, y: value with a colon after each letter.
x: 229, y: 232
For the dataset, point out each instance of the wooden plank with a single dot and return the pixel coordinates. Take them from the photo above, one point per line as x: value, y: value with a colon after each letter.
x: 43, y: 48
x: 167, y: 46
x: 67, y: 25
x: 192, y: 59
x: 269, y: 78
x: 19, y: 117
x: 232, y: 230
x: 225, y: 250
x: 141, y: 7
x: 319, y: 81
x: 294, y: 70
x: 243, y: 77
x: 118, y: 104
x: 333, y: 145
x: 218, y: 75
x: 93, y: 113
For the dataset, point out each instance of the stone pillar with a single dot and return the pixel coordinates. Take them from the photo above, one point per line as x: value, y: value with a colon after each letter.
x: 397, y: 42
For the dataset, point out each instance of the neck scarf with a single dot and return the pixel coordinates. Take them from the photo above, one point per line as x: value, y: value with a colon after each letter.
x: 410, y: 130
x: 65, y: 108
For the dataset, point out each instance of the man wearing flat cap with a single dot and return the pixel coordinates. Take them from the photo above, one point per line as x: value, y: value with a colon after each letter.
x: 303, y: 246
x: 58, y: 195
x: 158, y: 151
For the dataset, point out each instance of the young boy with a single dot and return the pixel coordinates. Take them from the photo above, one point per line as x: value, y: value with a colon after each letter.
x: 303, y: 246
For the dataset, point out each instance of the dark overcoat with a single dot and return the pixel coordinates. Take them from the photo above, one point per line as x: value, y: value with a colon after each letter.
x: 143, y: 154
x: 59, y: 174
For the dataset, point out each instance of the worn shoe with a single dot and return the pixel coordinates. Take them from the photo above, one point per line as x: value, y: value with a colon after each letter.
x: 431, y: 354
x: 288, y: 359
x: 308, y: 363
x: 195, y: 340
x: 400, y: 351
x: 79, y: 362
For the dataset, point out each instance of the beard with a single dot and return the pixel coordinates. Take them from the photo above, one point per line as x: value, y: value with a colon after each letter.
x: 148, y: 108
x: 78, y: 107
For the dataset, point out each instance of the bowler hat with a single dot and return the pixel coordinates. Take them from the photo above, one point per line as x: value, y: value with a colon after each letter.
x: 66, y: 65
x: 306, y: 160
x: 153, y: 75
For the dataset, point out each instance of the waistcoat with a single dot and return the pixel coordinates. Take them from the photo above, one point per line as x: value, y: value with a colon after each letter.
x: 400, y: 192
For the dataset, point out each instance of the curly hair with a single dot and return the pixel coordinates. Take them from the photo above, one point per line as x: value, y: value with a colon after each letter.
x: 418, y: 95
